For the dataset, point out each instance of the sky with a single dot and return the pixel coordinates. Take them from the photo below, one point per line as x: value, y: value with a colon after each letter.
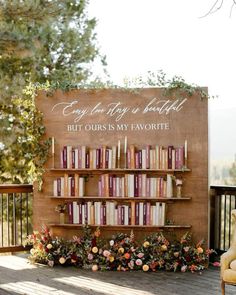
x: 139, y: 36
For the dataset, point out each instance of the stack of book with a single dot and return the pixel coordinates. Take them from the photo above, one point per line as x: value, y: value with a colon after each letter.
x: 135, y: 185
x: 69, y: 185
x: 83, y: 157
x: 111, y: 213
x: 159, y: 157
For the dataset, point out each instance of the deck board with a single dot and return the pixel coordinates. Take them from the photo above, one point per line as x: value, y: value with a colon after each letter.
x: 17, y: 276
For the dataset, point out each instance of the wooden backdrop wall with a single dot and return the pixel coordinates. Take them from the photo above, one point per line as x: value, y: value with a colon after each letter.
x: 91, y: 118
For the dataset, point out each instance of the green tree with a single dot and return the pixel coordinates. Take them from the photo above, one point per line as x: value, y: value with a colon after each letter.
x: 41, y: 41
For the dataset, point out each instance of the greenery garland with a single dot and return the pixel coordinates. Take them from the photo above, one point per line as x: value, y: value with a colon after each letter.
x: 23, y: 156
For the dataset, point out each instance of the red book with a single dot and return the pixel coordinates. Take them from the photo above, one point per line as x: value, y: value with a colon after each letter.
x: 147, y: 156
x: 86, y: 212
x: 170, y: 148
x: 98, y: 158
x: 140, y: 159
x: 122, y: 215
x: 106, y: 158
x: 110, y: 185
x: 64, y: 157
x: 129, y: 216
x: 87, y: 160
x: 59, y: 187
x: 136, y: 185
x: 72, y: 189
x: 70, y: 212
x: 73, y: 158
x: 144, y: 213
x: 136, y: 160
x: 80, y: 213
x: 104, y: 214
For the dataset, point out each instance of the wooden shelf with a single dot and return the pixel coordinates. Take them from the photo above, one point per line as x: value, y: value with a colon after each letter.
x: 135, y: 199
x: 117, y: 227
x: 123, y: 170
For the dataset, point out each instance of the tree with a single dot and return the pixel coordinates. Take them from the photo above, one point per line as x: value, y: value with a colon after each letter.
x: 41, y: 41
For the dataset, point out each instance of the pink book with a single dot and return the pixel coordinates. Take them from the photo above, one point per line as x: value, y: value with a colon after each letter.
x: 103, y: 185
x: 65, y: 157
x: 147, y: 187
x: 114, y: 194
x: 80, y: 213
x: 170, y: 148
x: 79, y: 157
x: 129, y: 215
x: 119, y: 214
x: 140, y: 185
x: 86, y: 212
x: 98, y: 155
x: 110, y: 185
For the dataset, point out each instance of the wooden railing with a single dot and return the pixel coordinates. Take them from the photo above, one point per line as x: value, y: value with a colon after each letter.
x: 222, y: 201
x: 15, y: 215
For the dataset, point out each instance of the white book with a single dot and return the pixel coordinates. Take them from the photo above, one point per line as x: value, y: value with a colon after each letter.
x: 69, y: 156
x: 109, y: 158
x: 140, y: 213
x: 157, y: 157
x: 89, y: 212
x: 113, y: 157
x: 55, y: 188
x: 98, y: 213
x: 116, y: 217
x: 69, y: 186
x: 131, y: 185
x: 144, y: 181
x: 162, y: 207
x: 75, y: 212
x: 81, y: 187
x: 169, y: 189
x: 112, y: 213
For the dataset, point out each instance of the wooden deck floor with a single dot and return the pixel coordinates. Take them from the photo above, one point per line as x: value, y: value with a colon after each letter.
x: 17, y: 276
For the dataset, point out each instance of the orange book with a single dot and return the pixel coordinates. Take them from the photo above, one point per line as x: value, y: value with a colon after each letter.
x: 132, y: 156
x: 66, y: 189
x: 132, y: 213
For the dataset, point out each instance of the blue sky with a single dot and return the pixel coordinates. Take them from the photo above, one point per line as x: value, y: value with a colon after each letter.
x: 138, y: 36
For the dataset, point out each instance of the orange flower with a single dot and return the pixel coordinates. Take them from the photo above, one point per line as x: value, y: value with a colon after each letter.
x: 145, y: 267
x: 164, y: 247
x: 199, y: 250
x: 94, y: 267
x: 95, y: 250
x: 121, y: 250
x: 127, y: 256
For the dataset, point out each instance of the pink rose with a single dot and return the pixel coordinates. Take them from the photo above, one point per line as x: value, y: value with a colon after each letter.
x: 140, y: 255
x: 138, y: 262
x: 106, y: 253
x: 90, y: 256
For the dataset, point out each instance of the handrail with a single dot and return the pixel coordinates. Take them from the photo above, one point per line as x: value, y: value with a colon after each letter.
x: 16, y: 188
x: 222, y: 202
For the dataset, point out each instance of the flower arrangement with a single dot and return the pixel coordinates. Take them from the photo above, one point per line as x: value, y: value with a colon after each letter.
x: 61, y: 208
x: 122, y: 252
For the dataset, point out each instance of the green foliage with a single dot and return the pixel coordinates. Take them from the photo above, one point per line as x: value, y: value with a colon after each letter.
x: 120, y: 253
x: 41, y: 41
x: 24, y: 153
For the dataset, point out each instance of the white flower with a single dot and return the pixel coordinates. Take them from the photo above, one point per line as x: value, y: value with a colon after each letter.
x: 112, y: 243
x: 2, y: 146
